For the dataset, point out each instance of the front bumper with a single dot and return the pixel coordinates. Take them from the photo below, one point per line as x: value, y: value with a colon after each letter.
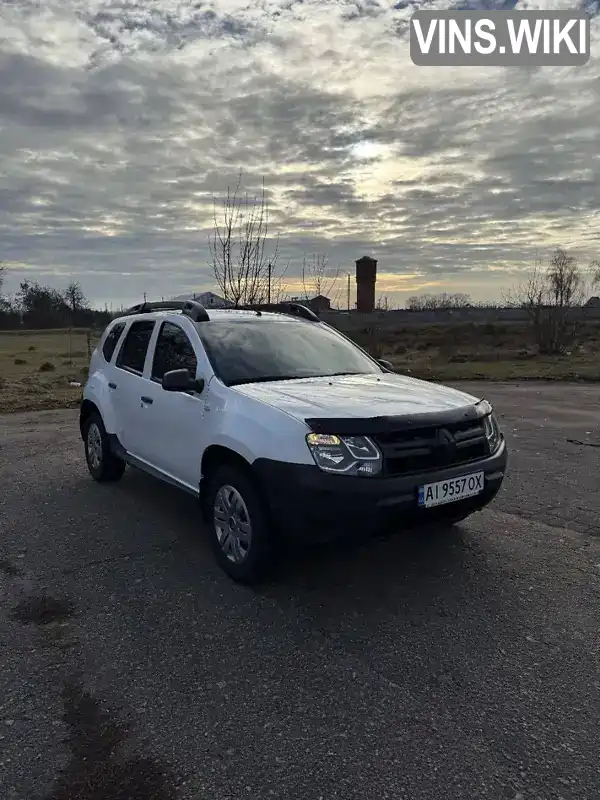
x: 309, y: 504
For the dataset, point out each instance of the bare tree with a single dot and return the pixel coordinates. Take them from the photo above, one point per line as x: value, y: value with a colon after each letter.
x: 277, y: 289
x: 1, y: 277
x: 439, y: 302
x: 490, y: 304
x: 315, y: 278
x: 243, y: 269
x: 594, y: 267
x: 552, y: 297
x: 75, y: 298
x: 383, y: 303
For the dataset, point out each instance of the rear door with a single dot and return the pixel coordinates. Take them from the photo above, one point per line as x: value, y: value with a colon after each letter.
x: 177, y: 432
x: 129, y: 386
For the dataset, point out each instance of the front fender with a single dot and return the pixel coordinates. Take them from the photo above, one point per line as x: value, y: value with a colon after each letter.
x: 252, y: 439
x: 253, y: 429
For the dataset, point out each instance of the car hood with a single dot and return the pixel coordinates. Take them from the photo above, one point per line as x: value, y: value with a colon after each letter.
x: 357, y: 396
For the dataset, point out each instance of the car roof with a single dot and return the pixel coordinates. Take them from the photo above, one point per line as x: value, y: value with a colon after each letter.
x: 220, y: 315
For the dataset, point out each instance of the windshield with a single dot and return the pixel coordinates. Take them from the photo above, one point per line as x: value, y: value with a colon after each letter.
x: 245, y: 351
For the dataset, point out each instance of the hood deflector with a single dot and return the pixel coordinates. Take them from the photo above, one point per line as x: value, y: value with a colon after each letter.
x: 371, y: 426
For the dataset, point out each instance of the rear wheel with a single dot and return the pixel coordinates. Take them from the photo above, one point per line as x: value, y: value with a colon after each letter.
x: 240, y: 533
x: 103, y: 465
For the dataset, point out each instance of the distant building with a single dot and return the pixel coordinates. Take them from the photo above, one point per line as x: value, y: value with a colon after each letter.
x: 319, y: 303
x: 206, y: 299
x: 316, y: 304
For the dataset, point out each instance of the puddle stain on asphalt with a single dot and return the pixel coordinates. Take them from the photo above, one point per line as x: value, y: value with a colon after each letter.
x: 95, y: 771
x: 43, y: 610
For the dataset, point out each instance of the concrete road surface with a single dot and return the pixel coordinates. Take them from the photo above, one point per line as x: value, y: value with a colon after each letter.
x: 458, y: 666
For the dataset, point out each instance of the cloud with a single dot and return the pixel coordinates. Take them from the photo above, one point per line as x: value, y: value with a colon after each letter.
x: 121, y: 121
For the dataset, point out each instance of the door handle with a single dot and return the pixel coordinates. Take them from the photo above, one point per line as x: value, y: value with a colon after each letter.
x: 112, y: 385
x: 147, y: 400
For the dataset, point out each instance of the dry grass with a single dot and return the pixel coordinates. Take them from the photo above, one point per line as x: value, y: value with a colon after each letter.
x: 36, y: 368
x: 491, y: 351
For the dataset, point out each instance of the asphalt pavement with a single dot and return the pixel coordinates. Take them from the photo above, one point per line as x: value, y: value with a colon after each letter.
x: 461, y: 665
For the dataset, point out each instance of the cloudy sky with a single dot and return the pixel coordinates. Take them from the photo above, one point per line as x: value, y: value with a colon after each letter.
x: 120, y: 121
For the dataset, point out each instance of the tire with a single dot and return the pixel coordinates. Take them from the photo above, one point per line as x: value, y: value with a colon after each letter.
x: 103, y: 465
x: 245, y: 553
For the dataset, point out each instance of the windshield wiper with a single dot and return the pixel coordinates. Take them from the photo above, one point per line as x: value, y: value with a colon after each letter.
x: 268, y: 378
x: 339, y: 374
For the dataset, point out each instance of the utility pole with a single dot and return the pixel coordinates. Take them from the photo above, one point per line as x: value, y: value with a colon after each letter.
x: 144, y: 297
x: 269, y: 272
x: 348, y: 291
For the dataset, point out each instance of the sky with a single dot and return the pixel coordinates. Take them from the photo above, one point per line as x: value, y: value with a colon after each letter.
x: 121, y: 122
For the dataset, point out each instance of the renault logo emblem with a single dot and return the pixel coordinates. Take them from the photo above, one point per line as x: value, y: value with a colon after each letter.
x: 445, y: 446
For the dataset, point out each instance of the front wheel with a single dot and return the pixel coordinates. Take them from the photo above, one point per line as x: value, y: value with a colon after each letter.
x: 103, y: 465
x: 240, y: 533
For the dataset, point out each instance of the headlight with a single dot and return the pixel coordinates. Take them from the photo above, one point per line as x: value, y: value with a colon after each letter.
x: 347, y: 455
x: 492, y: 431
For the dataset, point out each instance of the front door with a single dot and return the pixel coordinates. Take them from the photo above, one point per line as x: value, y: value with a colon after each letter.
x: 176, y: 435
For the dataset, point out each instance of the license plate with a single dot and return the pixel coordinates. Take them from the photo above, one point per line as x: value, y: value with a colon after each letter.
x: 436, y: 494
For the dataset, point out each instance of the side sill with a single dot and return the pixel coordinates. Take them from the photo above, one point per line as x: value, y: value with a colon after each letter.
x: 118, y: 450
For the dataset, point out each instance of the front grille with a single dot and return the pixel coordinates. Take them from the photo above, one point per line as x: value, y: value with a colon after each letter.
x: 430, y: 448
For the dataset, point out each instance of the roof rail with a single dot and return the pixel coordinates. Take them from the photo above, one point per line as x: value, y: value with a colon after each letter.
x: 293, y: 309
x: 190, y: 308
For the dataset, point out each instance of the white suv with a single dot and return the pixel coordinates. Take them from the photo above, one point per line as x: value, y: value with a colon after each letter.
x: 282, y: 426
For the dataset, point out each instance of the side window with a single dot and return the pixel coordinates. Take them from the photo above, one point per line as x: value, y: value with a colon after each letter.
x: 133, y: 350
x: 108, y: 348
x: 173, y: 351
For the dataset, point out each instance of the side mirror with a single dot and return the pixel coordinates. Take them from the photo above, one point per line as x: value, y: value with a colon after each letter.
x: 180, y: 380
x: 386, y: 364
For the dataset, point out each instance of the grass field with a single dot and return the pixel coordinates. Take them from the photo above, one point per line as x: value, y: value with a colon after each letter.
x: 490, y: 351
x: 37, y: 368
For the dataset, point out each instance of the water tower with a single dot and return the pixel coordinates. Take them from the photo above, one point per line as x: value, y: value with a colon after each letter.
x: 366, y: 277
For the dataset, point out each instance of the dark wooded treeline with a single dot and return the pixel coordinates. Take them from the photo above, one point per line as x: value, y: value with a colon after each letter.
x: 38, y: 307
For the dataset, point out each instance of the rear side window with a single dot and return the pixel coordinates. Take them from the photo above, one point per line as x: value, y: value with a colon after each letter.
x: 108, y: 348
x: 133, y: 350
x: 173, y: 351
